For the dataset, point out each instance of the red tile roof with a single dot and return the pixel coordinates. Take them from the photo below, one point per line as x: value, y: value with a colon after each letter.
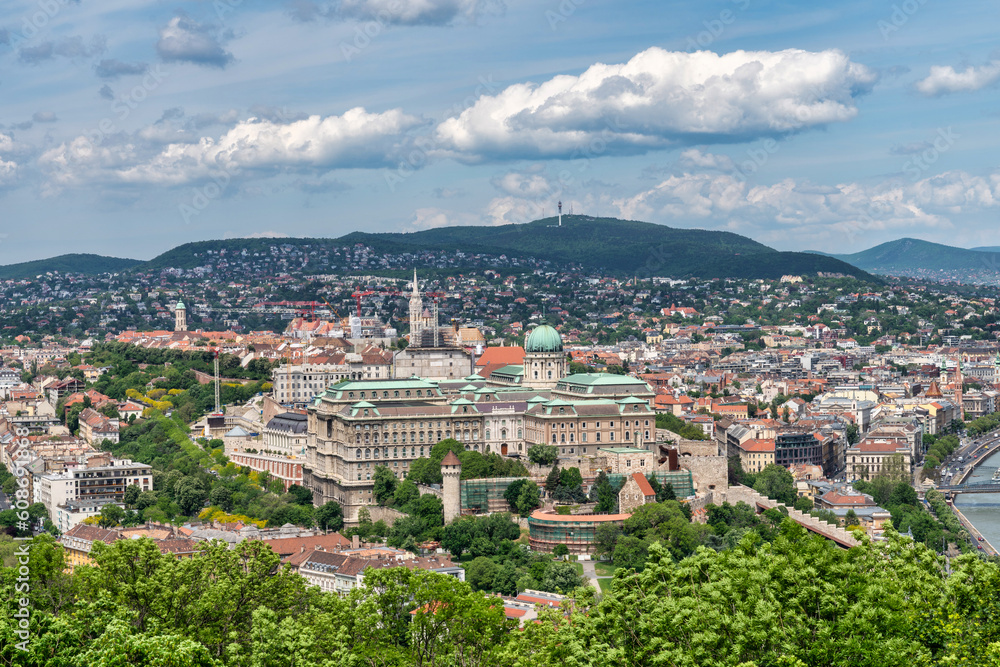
x: 643, y: 483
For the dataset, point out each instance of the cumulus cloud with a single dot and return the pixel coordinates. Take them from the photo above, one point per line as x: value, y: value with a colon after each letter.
x: 68, y: 47
x: 944, y: 79
x: 660, y: 99
x: 106, y: 92
x: 792, y: 206
x: 433, y: 218
x: 44, y: 117
x: 397, y: 12
x: 256, y: 235
x: 356, y: 139
x: 8, y: 168
x: 112, y: 68
x: 185, y: 40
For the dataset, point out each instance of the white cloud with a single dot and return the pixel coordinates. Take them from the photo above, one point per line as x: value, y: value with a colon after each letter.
x: 944, y: 79
x: 398, y: 12
x: 792, y: 207
x: 185, y: 40
x: 659, y: 99
x: 433, y: 218
x: 8, y: 168
x: 357, y: 139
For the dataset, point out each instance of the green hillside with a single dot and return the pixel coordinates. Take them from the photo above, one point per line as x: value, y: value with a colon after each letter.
x: 916, y: 255
x: 624, y: 247
x: 621, y: 246
x: 72, y: 263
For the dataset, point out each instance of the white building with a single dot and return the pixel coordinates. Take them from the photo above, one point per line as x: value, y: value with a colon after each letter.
x: 72, y: 496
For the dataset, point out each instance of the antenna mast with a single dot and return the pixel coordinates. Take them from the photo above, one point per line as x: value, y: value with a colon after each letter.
x: 560, y: 213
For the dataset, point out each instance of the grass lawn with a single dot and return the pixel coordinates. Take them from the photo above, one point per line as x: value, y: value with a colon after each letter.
x: 604, y: 569
x: 605, y: 584
x: 578, y: 567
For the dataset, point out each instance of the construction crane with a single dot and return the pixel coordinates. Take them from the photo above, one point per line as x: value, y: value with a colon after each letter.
x: 357, y: 297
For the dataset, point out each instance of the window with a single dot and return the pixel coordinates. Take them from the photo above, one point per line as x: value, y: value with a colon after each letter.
x: 611, y: 436
x: 584, y: 437
x: 598, y: 437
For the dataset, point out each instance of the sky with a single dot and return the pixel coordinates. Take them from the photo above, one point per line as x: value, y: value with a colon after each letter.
x: 128, y: 127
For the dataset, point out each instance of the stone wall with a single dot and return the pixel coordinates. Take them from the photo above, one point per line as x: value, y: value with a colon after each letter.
x: 378, y: 513
x: 698, y: 447
x: 736, y: 494
x: 708, y: 473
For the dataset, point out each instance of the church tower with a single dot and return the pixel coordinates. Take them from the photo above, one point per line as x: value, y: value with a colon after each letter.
x: 180, y: 317
x: 416, y: 311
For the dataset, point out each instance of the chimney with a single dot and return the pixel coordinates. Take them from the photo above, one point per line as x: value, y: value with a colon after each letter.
x: 355, y: 541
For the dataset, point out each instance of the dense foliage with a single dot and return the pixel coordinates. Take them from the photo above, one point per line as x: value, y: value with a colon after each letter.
x: 796, y: 600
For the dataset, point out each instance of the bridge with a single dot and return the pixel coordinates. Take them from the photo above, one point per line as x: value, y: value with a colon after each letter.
x: 981, y: 487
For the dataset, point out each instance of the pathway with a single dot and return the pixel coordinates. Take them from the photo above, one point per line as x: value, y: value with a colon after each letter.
x: 590, y: 572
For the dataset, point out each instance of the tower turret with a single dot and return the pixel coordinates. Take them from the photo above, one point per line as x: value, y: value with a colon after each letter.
x: 451, y: 472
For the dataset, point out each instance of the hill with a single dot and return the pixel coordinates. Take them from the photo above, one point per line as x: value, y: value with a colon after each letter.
x: 909, y: 256
x: 73, y: 263
x: 624, y: 247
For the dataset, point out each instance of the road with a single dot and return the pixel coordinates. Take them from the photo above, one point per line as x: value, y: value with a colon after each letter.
x: 4, y: 502
x: 972, y: 451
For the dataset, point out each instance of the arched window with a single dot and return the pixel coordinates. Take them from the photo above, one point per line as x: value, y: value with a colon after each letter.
x: 563, y: 438
x: 395, y: 394
x: 487, y: 434
x: 368, y: 453
x: 357, y: 454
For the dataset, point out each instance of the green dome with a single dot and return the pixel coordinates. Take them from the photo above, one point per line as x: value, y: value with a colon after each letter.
x: 180, y: 305
x: 543, y: 339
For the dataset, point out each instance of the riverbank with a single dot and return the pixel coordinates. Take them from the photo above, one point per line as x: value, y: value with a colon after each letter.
x: 977, y: 536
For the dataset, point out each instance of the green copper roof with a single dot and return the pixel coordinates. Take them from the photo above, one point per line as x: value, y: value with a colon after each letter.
x: 543, y: 339
x: 600, y: 379
x: 180, y: 305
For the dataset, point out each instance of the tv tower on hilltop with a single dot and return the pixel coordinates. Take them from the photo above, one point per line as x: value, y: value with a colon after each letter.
x: 560, y: 213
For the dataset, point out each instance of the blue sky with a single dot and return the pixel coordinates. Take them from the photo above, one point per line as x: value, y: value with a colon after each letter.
x: 129, y: 127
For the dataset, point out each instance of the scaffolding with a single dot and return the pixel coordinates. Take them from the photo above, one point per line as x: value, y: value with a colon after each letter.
x: 679, y: 479
x: 485, y: 495
x: 577, y: 531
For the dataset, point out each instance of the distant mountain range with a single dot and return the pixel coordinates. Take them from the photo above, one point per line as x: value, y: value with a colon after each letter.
x: 72, y: 263
x: 915, y: 257
x: 623, y: 247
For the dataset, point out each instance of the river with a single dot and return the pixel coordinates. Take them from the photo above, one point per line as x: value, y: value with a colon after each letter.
x: 983, y: 509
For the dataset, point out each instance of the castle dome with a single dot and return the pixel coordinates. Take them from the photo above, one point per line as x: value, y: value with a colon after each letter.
x: 543, y: 339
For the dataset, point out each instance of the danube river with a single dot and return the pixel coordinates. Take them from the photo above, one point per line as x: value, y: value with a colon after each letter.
x: 983, y: 509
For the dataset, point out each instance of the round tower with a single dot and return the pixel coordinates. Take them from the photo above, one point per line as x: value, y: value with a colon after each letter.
x: 451, y: 471
x: 180, y: 317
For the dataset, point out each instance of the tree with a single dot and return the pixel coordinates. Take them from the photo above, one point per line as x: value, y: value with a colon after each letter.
x: 505, y: 581
x: 111, y: 515
x: 560, y: 550
x: 383, y: 483
x: 552, y: 481
x: 302, y: 495
x: 666, y: 492
x: 630, y: 551
x: 458, y: 536
x: 513, y: 492
x: 853, y: 434
x: 480, y: 573
x: 561, y: 577
x: 528, y: 499
x: 131, y: 495
x: 776, y: 483
x: 851, y: 518
x: 330, y: 516
x: 430, y: 508
x: 543, y: 455
x: 406, y: 492
x: 804, y: 504
x: 606, y: 538
x: 190, y: 495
